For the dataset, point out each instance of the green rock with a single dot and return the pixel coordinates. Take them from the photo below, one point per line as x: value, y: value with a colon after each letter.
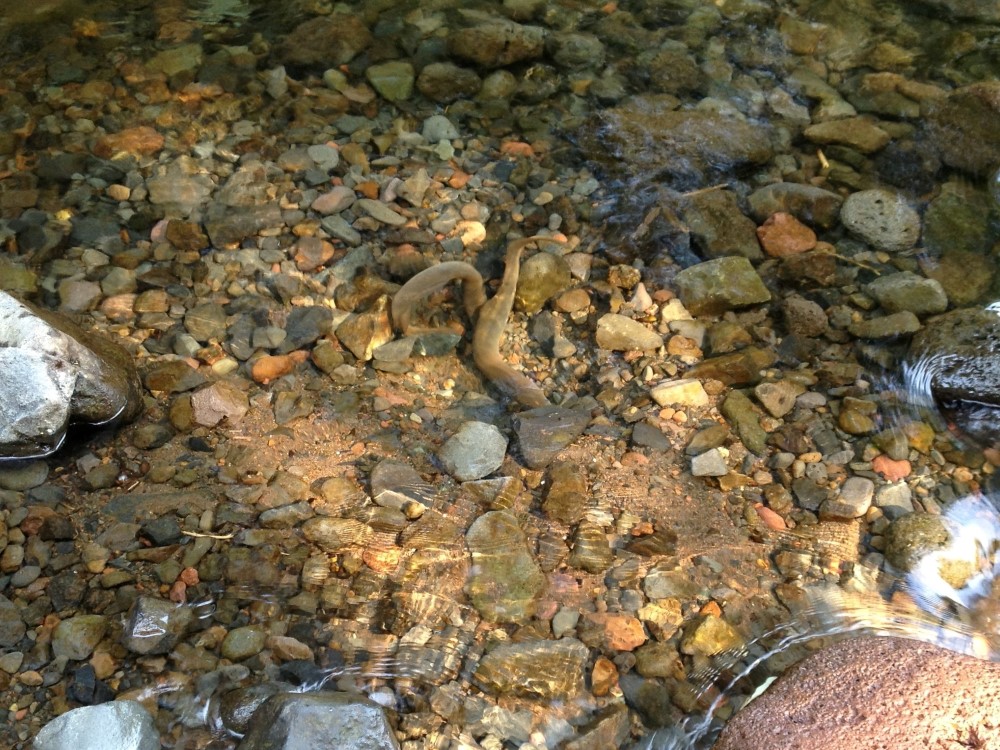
x: 393, y: 80
x: 534, y: 669
x: 242, y: 643
x: 76, y: 637
x: 959, y: 219
x: 506, y: 581
x: 715, y: 286
x: 740, y: 412
x: 543, y: 276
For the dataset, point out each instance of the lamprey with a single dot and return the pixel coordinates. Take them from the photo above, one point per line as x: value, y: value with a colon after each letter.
x: 490, y: 316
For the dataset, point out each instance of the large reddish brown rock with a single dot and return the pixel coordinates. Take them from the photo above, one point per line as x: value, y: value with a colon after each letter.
x: 873, y: 693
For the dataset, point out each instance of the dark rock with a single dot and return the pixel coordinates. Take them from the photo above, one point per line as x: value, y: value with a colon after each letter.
x: 543, y: 432
x: 444, y: 82
x: 304, y: 326
x: 963, y: 127
x: 647, y: 135
x: 155, y: 626
x: 496, y: 42
x: 811, y: 205
x: 719, y: 228
x: 325, y: 40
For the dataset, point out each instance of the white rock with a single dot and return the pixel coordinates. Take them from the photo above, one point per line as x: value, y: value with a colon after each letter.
x: 681, y: 392
x: 711, y: 463
x: 122, y: 725
x: 52, y: 371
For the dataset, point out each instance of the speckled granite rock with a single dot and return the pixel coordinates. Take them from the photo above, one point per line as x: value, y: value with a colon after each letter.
x: 871, y: 693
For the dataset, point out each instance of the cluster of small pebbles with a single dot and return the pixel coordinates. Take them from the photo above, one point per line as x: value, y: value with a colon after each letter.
x: 318, y: 518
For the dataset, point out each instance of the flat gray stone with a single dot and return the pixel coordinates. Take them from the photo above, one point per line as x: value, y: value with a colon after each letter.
x: 477, y: 449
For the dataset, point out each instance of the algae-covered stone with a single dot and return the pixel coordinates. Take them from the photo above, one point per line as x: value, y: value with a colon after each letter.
x: 534, y: 669
x: 506, y: 581
x: 719, y: 228
x: 909, y: 538
x: 740, y: 412
x: 393, y: 80
x: 712, y: 287
x: 906, y: 291
x: 76, y: 637
x: 542, y: 277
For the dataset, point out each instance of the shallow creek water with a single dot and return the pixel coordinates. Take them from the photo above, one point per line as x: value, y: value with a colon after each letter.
x: 779, y: 66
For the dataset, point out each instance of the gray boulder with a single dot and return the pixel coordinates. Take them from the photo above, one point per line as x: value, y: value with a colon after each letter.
x: 54, y: 373
x: 290, y: 721
x: 123, y: 725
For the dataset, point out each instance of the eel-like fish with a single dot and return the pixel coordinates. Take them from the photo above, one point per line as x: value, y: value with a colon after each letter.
x: 490, y: 322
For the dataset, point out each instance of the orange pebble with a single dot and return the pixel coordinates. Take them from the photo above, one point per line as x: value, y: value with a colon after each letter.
x: 891, y: 470
x: 769, y: 518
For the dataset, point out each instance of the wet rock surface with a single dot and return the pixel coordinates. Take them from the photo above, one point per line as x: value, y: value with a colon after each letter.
x: 751, y: 209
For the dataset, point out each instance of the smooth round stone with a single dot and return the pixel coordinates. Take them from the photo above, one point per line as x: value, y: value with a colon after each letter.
x: 25, y: 575
x: 327, y: 157
x: 242, y: 643
x: 438, y: 128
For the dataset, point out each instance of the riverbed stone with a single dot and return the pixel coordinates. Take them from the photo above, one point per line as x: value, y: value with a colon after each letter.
x: 647, y: 133
x: 328, y: 40
x: 908, y: 291
x: 962, y: 127
x: 444, y: 82
x: 68, y: 372
x: 719, y: 228
x: 620, y: 333
x: 505, y: 581
x: 543, y: 432
x: 288, y: 721
x: 493, y: 42
x: 809, y: 204
x: 123, y: 725
x: 475, y: 450
x: 393, y: 79
x: 536, y: 670
x: 882, y: 218
x: 809, y: 707
x: 542, y: 277
x: 76, y: 637
x: 712, y: 287
x: 861, y: 133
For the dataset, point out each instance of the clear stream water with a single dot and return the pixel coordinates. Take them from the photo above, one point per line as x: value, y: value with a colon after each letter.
x: 741, y: 50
